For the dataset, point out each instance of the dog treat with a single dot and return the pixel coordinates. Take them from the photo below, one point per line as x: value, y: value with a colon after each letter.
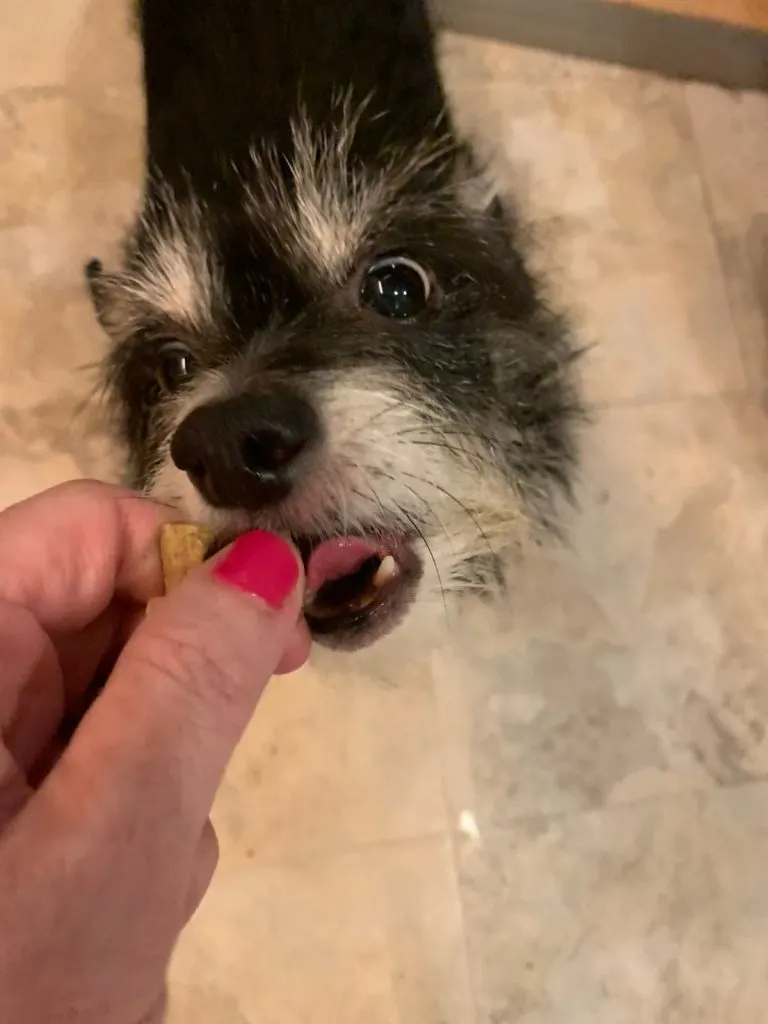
x: 182, y: 546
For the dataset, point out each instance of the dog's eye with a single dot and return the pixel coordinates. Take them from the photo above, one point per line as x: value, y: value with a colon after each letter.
x: 175, y: 366
x: 396, y: 287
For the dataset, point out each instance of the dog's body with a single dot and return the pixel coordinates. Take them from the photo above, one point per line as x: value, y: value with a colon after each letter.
x: 322, y: 325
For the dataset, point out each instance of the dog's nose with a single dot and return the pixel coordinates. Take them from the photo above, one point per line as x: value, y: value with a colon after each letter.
x: 243, y: 452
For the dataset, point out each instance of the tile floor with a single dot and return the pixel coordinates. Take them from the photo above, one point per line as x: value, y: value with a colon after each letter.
x: 561, y: 815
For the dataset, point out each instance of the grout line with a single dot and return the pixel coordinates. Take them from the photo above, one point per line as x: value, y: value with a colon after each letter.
x: 336, y: 850
x: 704, y: 790
x: 453, y: 844
x: 32, y: 92
x: 702, y: 172
x: 650, y: 402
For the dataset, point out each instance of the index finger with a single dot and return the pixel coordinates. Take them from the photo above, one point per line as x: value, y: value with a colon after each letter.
x: 67, y: 553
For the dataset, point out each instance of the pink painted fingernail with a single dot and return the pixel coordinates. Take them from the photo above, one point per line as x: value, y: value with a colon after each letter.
x: 260, y: 564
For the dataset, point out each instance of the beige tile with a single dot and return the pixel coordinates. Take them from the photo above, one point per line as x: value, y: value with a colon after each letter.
x: 632, y: 663
x: 654, y: 912
x: 25, y: 476
x: 333, y: 760
x: 33, y: 43
x: 731, y: 130
x: 373, y: 935
x: 47, y: 319
x: 82, y: 136
x: 70, y: 155
x: 602, y: 163
x: 54, y: 149
x: 51, y: 424
x: 55, y: 439
x: 45, y: 44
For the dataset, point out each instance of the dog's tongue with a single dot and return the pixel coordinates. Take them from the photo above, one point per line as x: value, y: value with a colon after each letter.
x: 333, y: 559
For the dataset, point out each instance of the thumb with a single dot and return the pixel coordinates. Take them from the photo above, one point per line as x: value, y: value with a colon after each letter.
x: 186, y: 685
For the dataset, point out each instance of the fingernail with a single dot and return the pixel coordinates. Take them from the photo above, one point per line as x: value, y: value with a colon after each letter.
x: 260, y: 564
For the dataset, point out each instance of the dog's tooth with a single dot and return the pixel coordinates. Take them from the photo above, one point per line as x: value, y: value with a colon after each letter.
x: 387, y: 571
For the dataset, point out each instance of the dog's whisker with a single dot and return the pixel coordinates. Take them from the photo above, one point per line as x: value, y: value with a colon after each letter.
x: 470, y: 515
x: 420, y: 533
x: 472, y: 457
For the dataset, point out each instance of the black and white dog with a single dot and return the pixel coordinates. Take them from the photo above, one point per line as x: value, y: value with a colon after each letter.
x: 322, y: 324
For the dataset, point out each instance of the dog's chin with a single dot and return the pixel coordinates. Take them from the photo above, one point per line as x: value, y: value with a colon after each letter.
x: 359, y: 587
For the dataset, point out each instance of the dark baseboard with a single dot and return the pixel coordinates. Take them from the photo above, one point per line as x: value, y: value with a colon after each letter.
x: 669, y: 44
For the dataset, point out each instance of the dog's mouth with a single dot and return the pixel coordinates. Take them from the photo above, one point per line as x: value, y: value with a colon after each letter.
x: 358, y: 588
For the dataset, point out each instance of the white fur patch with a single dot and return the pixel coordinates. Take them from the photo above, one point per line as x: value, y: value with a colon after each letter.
x: 333, y: 205
x: 176, y: 272
x: 334, y: 202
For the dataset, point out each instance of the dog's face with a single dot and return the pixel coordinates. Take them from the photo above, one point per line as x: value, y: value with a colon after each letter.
x: 353, y: 356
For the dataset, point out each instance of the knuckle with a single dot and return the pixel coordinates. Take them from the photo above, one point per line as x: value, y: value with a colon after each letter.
x: 187, y: 661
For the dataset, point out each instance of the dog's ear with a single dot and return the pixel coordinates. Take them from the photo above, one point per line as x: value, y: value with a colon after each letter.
x: 94, y: 279
x: 496, y: 209
x: 109, y: 301
x: 477, y: 186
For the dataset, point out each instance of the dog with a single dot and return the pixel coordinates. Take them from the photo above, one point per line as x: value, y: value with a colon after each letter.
x: 322, y: 322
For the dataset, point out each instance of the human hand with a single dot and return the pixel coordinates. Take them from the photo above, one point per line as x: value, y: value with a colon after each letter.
x: 106, y: 846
